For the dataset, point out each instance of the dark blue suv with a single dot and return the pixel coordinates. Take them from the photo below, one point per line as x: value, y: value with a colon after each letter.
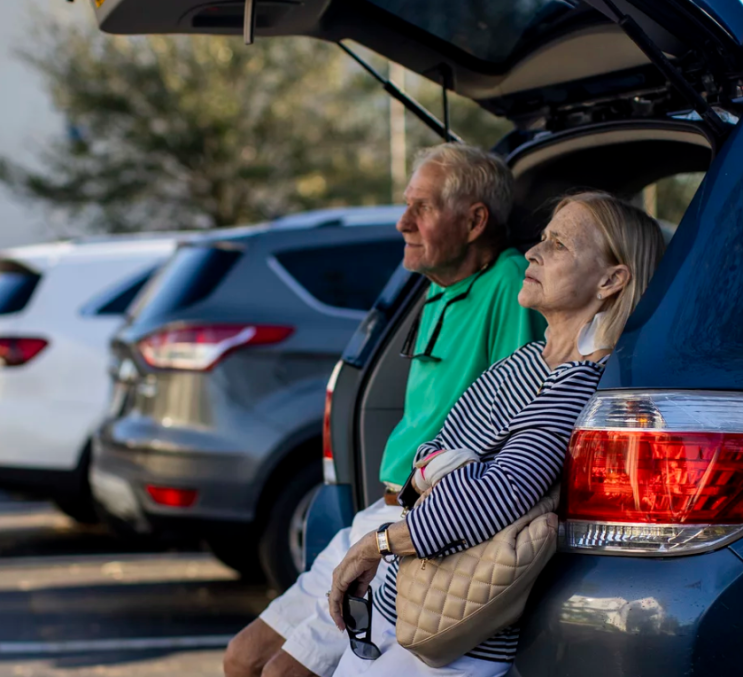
x: 637, y: 97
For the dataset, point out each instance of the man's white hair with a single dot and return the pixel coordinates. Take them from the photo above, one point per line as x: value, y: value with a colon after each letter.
x: 473, y: 175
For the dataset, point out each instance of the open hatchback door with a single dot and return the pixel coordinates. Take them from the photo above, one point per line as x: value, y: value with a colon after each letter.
x: 545, y: 64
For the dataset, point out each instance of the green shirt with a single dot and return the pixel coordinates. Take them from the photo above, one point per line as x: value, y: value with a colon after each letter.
x: 477, y: 331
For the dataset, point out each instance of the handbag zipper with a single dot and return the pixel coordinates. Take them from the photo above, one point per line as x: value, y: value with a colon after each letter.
x: 439, y: 553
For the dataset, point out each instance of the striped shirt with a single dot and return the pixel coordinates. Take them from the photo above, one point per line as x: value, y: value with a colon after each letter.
x: 518, y: 416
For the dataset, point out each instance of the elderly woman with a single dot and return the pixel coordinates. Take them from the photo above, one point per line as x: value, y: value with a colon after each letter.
x: 586, y: 275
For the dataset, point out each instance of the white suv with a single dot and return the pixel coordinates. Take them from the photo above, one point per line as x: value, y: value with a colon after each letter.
x: 59, y: 305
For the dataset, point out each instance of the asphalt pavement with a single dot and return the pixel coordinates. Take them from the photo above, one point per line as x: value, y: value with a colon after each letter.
x: 77, y: 602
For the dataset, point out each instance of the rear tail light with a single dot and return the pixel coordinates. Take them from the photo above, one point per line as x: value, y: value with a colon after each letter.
x: 655, y: 473
x: 328, y: 463
x: 172, y: 496
x: 200, y: 347
x: 15, y: 352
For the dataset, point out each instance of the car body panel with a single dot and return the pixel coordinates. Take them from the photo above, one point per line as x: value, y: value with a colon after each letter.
x: 687, y: 331
x: 67, y: 385
x: 259, y: 405
x: 331, y: 510
x: 633, y: 617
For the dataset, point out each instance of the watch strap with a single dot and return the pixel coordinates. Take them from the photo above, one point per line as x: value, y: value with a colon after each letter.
x: 383, y: 541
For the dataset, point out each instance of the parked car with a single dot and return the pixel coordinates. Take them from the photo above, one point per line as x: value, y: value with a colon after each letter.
x: 618, y: 96
x: 215, y: 423
x: 59, y: 306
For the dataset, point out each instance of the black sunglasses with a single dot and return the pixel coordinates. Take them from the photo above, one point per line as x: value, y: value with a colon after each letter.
x: 357, y: 615
x: 408, y: 347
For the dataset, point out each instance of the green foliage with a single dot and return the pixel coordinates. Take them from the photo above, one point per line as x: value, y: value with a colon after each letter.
x: 674, y: 195
x: 184, y: 132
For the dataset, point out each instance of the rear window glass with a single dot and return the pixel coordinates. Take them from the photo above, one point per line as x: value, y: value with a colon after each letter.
x: 668, y: 199
x: 490, y: 31
x: 16, y: 289
x: 116, y: 301
x: 348, y: 276
x: 191, y: 275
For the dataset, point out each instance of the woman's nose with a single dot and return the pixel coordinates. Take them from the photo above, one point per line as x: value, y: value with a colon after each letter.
x: 532, y: 255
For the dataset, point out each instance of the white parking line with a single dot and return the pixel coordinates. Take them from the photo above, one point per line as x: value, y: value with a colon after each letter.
x: 94, y: 645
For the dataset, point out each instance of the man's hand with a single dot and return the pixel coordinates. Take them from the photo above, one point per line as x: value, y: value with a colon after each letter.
x: 355, y: 572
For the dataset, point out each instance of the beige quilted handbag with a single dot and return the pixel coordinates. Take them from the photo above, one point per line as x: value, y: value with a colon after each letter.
x: 448, y: 606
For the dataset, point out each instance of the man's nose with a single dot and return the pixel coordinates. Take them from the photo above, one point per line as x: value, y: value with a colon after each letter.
x: 406, y: 223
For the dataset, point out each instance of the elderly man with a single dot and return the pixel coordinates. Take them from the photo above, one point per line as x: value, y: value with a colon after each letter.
x: 459, y: 199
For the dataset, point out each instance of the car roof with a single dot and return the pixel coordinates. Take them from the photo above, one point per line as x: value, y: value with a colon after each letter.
x: 319, y: 218
x: 41, y: 257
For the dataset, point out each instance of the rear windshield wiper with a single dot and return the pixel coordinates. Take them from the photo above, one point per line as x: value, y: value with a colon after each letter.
x: 425, y: 116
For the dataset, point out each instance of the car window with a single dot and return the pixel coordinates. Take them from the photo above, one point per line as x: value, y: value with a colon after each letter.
x: 348, y: 276
x: 490, y: 31
x: 668, y: 199
x: 367, y: 335
x: 117, y: 300
x: 17, y: 285
x: 191, y: 275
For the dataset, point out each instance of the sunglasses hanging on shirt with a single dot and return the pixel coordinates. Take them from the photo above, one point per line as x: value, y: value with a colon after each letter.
x: 408, y: 347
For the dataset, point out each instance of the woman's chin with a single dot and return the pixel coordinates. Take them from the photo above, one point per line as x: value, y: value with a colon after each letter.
x: 527, y: 299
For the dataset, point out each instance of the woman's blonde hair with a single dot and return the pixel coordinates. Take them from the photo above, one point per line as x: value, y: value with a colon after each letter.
x: 629, y: 237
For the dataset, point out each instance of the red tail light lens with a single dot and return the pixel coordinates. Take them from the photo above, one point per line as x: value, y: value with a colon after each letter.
x: 328, y: 463
x: 655, y: 473
x: 15, y: 352
x: 201, y: 347
x: 172, y: 496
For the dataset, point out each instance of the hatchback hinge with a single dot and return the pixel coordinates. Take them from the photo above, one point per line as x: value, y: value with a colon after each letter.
x: 426, y: 117
x: 635, y: 33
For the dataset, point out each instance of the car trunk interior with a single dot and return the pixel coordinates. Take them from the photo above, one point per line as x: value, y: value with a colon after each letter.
x: 622, y: 158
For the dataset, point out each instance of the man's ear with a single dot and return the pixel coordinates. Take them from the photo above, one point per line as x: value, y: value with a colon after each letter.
x: 477, y: 220
x: 616, y: 279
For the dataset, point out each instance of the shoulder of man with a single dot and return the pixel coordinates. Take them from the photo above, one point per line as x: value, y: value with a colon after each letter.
x: 503, y: 281
x: 510, y: 267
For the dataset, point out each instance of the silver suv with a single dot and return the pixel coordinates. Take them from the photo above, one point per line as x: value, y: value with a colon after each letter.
x: 215, y: 422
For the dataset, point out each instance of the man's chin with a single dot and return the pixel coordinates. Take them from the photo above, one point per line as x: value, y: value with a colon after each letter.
x: 413, y: 264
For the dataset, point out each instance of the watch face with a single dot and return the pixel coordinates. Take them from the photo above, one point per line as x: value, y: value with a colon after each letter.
x: 383, y: 542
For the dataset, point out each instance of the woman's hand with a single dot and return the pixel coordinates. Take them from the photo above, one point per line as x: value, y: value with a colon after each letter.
x: 423, y: 497
x: 435, y: 466
x: 354, y: 573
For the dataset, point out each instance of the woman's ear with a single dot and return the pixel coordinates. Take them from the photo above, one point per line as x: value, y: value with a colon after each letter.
x: 478, y: 221
x: 616, y: 279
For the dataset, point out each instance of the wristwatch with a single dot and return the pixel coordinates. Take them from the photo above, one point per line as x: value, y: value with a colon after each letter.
x: 383, y: 541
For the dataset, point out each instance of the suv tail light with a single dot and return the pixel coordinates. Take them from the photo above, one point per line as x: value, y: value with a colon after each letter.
x: 328, y: 463
x: 15, y: 352
x: 655, y: 473
x: 173, y: 497
x: 200, y: 347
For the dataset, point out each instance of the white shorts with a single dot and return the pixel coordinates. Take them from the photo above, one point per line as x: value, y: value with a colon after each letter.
x: 398, y: 661
x: 301, y: 613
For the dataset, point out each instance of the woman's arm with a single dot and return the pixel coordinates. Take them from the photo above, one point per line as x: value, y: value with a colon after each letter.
x: 473, y: 503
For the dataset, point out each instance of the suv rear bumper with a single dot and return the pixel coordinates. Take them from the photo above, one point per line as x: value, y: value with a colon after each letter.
x: 119, y: 476
x: 631, y: 616
x: 330, y: 511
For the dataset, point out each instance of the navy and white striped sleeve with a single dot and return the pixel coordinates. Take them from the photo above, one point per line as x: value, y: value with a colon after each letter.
x: 473, y: 503
x: 478, y: 396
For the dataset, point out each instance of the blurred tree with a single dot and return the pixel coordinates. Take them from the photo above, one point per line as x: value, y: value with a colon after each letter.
x: 184, y: 132
x: 474, y: 124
